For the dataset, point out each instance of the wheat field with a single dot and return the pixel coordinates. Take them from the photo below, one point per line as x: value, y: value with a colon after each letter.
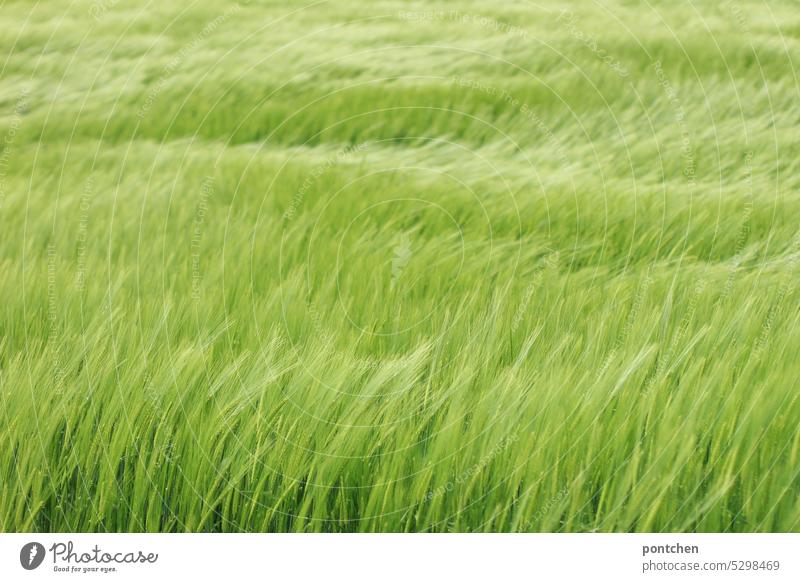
x: 399, y: 267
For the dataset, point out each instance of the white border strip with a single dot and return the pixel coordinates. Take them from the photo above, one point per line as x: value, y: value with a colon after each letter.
x: 401, y: 557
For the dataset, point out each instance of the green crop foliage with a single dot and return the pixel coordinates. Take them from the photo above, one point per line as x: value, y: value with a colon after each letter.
x: 399, y: 266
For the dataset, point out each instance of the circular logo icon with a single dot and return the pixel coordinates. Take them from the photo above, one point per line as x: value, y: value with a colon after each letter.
x: 31, y: 555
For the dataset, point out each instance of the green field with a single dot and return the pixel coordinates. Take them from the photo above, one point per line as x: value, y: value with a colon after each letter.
x: 397, y: 266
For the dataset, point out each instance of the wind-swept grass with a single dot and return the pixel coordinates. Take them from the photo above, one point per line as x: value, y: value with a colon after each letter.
x: 399, y: 267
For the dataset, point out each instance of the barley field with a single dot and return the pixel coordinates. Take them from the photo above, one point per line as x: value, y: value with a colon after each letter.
x: 399, y: 266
